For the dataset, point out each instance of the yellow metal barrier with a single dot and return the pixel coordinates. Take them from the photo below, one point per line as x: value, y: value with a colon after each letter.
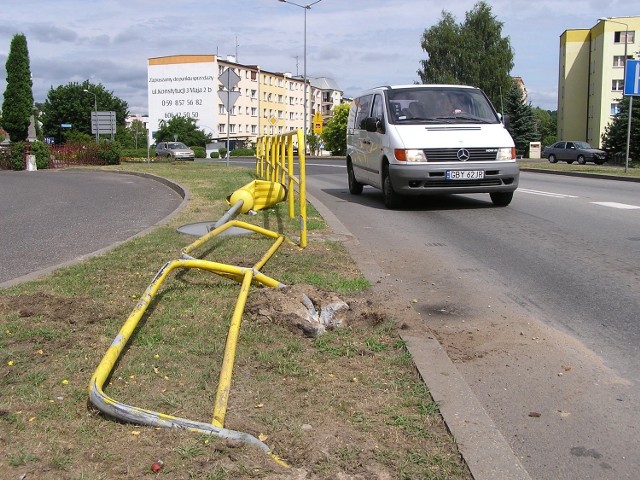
x: 259, y: 194
x: 275, y: 162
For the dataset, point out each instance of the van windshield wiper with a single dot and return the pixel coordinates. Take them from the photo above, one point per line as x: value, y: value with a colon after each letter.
x: 419, y: 120
x: 471, y: 118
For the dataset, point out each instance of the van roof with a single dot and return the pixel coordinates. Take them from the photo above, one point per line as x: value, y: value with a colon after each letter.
x: 429, y: 85
x: 425, y: 86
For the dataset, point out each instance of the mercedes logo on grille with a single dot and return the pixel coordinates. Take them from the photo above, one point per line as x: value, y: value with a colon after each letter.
x: 463, y: 155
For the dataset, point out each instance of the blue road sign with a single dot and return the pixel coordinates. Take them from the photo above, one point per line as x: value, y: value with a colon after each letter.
x: 632, y: 78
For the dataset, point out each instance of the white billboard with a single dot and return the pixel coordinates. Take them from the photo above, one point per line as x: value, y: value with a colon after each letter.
x: 183, y: 85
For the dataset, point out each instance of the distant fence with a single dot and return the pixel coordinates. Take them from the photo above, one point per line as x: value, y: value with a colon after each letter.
x: 70, y: 155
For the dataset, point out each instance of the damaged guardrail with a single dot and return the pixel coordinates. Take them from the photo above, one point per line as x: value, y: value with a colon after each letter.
x: 254, y: 196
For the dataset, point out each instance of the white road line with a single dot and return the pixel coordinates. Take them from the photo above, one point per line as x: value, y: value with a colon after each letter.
x: 622, y: 206
x: 545, y: 194
x: 331, y: 165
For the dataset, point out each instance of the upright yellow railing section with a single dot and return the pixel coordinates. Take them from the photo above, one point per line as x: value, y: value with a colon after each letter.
x: 256, y: 195
x: 275, y: 162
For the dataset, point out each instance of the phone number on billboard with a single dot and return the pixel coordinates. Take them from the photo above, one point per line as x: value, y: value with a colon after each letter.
x: 179, y: 103
x: 182, y: 114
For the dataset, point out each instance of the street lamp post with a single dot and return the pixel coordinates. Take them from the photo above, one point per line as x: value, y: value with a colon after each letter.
x: 624, y: 77
x: 95, y: 109
x: 305, y: 7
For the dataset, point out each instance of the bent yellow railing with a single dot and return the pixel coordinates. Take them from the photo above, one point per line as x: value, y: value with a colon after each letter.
x: 275, y: 161
x: 244, y: 275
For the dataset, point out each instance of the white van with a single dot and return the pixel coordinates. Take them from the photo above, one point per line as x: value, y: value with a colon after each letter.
x: 429, y: 139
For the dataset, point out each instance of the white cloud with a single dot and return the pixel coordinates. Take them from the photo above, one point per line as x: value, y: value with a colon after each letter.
x: 359, y: 43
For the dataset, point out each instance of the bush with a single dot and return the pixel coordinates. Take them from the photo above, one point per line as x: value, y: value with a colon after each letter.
x: 136, y: 153
x: 42, y: 151
x: 17, y: 156
x: 200, y: 152
x: 243, y: 152
x: 223, y: 152
x: 109, y: 152
x: 214, y: 155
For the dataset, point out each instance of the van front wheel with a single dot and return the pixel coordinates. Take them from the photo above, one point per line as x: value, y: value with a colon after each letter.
x: 355, y: 187
x: 391, y: 198
x: 501, y: 199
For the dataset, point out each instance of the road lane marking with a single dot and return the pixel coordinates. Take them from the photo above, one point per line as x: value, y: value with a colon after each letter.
x: 622, y: 206
x: 545, y: 194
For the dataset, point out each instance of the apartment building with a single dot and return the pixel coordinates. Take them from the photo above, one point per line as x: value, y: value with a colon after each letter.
x: 591, y: 76
x: 233, y: 101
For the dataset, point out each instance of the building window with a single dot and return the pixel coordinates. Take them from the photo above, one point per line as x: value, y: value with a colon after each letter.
x: 221, y: 110
x: 615, y: 108
x: 253, y: 94
x: 618, y: 61
x: 221, y: 128
x: 254, y: 112
x: 232, y: 128
x: 254, y: 129
x: 617, y: 85
x: 619, y: 37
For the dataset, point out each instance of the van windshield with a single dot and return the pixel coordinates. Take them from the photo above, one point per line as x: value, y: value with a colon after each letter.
x: 439, y: 105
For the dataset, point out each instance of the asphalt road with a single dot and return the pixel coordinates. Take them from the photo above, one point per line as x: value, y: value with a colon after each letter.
x: 56, y: 217
x: 536, y: 304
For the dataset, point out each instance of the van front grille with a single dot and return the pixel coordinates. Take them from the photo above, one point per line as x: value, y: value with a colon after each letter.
x: 461, y: 154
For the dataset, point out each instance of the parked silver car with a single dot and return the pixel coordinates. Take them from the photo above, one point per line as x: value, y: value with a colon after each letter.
x: 570, y: 152
x: 174, y: 151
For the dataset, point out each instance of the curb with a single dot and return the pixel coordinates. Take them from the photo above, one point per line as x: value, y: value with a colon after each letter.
x: 602, y: 176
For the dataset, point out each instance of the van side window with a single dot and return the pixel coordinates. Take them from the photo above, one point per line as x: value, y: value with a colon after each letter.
x: 377, y: 112
x: 363, y: 110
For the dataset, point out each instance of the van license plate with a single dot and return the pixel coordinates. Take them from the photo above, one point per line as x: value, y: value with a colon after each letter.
x: 464, y: 174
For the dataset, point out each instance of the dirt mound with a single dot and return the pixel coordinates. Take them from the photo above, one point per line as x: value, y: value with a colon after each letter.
x: 311, y: 310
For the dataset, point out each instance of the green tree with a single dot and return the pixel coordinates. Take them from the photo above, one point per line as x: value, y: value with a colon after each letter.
x: 182, y: 129
x: 334, y: 133
x: 547, y: 122
x: 313, y: 143
x: 18, y: 96
x: 522, y: 125
x: 470, y: 53
x: 614, y: 138
x: 133, y: 136
x: 73, y: 104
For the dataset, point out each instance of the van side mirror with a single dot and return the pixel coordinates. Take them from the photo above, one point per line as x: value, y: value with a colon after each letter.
x: 506, y: 121
x: 373, y: 124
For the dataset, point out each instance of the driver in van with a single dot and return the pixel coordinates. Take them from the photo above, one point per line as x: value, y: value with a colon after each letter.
x: 450, y: 105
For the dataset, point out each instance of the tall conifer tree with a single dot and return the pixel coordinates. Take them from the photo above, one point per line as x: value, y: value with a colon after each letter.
x: 17, y: 106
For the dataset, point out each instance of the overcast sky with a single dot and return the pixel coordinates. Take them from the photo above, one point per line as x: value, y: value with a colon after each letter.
x: 358, y: 43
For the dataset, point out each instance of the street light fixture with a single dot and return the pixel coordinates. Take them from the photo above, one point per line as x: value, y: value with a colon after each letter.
x: 624, y: 78
x: 305, y: 7
x: 95, y: 109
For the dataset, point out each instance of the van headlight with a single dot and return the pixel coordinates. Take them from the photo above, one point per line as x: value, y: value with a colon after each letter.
x: 507, y: 153
x: 403, y: 155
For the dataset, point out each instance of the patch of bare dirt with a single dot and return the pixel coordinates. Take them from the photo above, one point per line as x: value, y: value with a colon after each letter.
x: 55, y: 308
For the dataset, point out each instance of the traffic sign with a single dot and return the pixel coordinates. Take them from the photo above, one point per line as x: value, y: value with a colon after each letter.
x: 229, y: 78
x: 103, y: 123
x: 317, y: 123
x: 632, y: 78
